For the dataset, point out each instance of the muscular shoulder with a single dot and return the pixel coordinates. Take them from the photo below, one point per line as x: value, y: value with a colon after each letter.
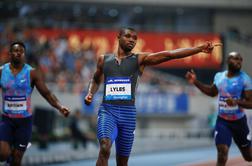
x: 142, y: 56
x: 100, y: 60
x: 34, y: 73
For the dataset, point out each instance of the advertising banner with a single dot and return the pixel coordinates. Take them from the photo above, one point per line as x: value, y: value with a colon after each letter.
x: 105, y: 41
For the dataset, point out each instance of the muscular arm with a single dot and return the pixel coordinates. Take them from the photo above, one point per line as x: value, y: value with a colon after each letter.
x: 210, y: 90
x: 95, y: 81
x: 246, y: 101
x: 43, y: 90
x: 97, y: 78
x: 163, y: 56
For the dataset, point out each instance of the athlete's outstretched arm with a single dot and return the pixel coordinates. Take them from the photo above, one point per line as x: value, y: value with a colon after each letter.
x: 95, y: 81
x: 245, y: 102
x: 46, y: 93
x: 163, y: 56
x: 210, y: 90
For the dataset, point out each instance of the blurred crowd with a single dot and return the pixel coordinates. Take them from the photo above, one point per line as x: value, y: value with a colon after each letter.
x: 67, y: 68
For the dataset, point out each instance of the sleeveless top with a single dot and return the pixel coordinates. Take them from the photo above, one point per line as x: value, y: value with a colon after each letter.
x: 120, y: 80
x: 16, y: 92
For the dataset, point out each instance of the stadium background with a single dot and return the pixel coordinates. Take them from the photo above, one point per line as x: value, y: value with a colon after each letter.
x: 64, y: 38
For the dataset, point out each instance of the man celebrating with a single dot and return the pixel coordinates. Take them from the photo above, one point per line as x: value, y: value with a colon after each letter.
x: 117, y: 113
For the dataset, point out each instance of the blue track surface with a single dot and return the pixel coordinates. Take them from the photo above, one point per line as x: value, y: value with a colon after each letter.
x: 170, y: 158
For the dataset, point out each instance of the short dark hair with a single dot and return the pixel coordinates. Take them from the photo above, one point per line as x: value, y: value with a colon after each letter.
x: 121, y: 31
x: 16, y: 42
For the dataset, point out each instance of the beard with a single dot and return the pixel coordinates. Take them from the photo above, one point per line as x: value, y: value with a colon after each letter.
x: 234, y: 68
x: 126, y: 48
x: 16, y: 61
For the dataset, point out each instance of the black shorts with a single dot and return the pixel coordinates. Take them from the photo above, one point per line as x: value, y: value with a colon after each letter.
x: 16, y: 131
x: 238, y: 130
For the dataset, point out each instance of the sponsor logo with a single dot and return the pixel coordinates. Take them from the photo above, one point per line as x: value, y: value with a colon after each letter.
x: 22, y: 146
x: 249, y: 137
x: 29, y: 145
x: 215, y: 134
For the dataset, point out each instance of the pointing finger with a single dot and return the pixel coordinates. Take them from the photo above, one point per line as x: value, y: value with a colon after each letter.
x: 217, y: 44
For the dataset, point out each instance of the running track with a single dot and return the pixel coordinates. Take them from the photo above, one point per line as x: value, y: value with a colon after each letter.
x: 186, y: 157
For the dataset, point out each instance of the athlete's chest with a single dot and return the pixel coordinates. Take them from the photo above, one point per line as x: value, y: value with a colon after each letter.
x: 126, y: 67
x: 17, y: 82
x: 231, y: 85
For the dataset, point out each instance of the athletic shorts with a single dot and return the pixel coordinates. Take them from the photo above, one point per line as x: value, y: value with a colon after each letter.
x: 238, y: 129
x: 117, y: 123
x: 16, y: 131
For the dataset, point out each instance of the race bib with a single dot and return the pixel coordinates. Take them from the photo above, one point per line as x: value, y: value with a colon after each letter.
x: 118, y: 88
x: 12, y: 103
x: 225, y: 108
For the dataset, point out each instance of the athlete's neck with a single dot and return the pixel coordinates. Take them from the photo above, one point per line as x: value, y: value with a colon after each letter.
x: 232, y: 73
x: 122, y: 54
x: 16, y: 66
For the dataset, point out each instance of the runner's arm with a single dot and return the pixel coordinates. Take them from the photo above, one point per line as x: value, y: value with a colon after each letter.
x: 210, y: 90
x: 95, y: 81
x: 163, y: 56
x: 46, y: 93
x: 245, y: 102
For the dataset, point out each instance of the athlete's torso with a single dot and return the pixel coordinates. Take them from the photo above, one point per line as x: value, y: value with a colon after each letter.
x: 120, y: 80
x: 16, y: 92
x: 231, y: 87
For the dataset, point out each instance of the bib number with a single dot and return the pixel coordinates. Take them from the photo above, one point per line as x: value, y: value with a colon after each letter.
x: 15, y: 103
x: 223, y: 106
x: 118, y: 88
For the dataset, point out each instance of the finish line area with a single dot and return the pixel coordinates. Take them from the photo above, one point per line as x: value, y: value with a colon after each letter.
x: 205, y: 156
